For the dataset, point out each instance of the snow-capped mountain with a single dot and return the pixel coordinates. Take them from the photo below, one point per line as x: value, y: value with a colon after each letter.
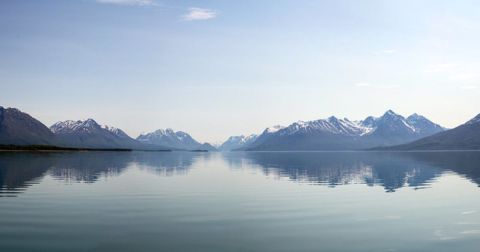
x: 116, y: 131
x: 463, y: 137
x: 422, y: 124
x: 332, y: 133
x: 332, y: 125
x: 343, y: 134
x: 70, y: 126
x: 263, y: 137
x: 273, y: 129
x: 89, y: 134
x: 237, y: 142
x: 172, y: 139
x: 393, y: 129
x: 86, y: 126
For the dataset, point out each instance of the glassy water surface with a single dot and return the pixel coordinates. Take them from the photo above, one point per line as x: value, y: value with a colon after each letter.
x: 259, y: 201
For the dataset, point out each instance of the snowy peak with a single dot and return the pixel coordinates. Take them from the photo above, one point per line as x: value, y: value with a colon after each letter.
x: 70, y: 126
x: 85, y: 126
x: 250, y: 138
x: 369, y: 122
x: 390, y: 123
x: 116, y: 131
x: 237, y: 142
x: 273, y: 129
x: 333, y: 132
x: 163, y: 132
x: 422, y: 125
x: 169, y: 138
x: 393, y: 123
x: 391, y: 113
x: 182, y: 135
x: 391, y: 116
x: 415, y: 116
x: 168, y: 132
x: 388, y: 117
x: 347, y: 127
x: 331, y: 125
x: 241, y: 138
x: 89, y: 134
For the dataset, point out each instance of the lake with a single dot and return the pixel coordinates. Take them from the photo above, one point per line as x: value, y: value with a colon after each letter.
x: 240, y: 201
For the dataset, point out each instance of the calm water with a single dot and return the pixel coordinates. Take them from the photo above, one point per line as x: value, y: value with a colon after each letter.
x: 298, y: 201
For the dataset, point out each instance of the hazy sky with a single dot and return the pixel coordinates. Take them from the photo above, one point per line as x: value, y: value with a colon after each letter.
x: 221, y: 68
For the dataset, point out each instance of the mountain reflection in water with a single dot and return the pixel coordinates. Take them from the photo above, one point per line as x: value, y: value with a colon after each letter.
x: 18, y: 171
x: 390, y: 170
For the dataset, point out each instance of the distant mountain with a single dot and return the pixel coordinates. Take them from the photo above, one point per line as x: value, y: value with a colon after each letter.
x: 463, y: 137
x: 171, y: 139
x: 265, y: 136
x: 237, y: 142
x: 18, y: 128
x: 343, y: 134
x: 392, y: 129
x: 89, y: 134
x: 423, y: 125
x: 207, y: 147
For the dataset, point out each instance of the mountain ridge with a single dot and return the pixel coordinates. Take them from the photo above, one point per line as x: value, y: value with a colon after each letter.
x: 388, y: 131
x: 237, y: 142
x: 463, y: 137
x: 333, y: 133
x: 19, y: 128
x: 89, y: 134
x: 174, y: 139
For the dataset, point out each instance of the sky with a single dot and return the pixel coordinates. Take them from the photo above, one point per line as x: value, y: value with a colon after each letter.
x: 221, y: 68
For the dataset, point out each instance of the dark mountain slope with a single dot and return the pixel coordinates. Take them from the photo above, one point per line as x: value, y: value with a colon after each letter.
x: 18, y: 128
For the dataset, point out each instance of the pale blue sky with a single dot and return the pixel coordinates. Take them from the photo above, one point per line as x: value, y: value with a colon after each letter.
x: 221, y: 68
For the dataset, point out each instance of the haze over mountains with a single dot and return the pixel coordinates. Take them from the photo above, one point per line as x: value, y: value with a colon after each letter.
x: 389, y: 131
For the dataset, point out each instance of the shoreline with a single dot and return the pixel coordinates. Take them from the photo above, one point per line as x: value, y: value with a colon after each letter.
x: 51, y: 148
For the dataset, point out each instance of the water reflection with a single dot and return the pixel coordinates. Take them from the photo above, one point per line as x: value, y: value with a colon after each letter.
x: 88, y: 167
x: 18, y: 171
x: 465, y: 163
x: 388, y: 169
x: 167, y: 163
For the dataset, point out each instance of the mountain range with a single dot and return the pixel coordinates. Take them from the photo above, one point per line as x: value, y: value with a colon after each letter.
x: 174, y: 140
x: 344, y: 134
x: 19, y: 128
x: 390, y: 131
x: 89, y: 134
